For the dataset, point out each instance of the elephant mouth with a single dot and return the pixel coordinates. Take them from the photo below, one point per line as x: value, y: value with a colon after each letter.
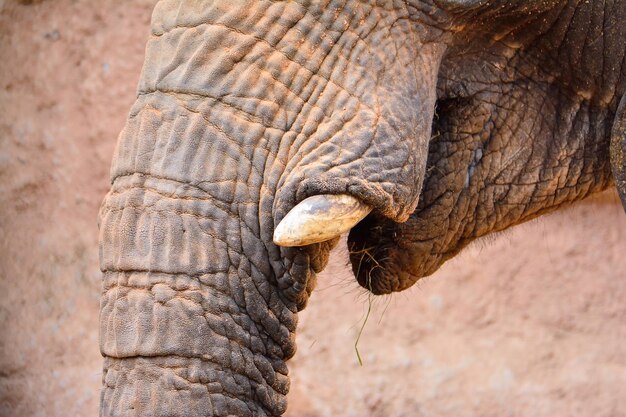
x: 310, y: 212
x: 325, y: 217
x: 381, y: 260
x: 372, y: 256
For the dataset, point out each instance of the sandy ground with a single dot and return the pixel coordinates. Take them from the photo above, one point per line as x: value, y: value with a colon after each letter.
x: 531, y: 323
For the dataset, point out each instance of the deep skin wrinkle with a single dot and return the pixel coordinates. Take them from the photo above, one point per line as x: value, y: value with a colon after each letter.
x: 451, y: 119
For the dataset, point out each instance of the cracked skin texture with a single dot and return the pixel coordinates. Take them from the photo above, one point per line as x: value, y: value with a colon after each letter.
x: 451, y: 119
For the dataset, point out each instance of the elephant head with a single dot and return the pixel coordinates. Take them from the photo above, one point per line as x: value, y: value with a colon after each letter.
x: 444, y: 120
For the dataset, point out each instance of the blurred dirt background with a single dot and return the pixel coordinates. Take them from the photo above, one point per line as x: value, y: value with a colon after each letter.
x: 531, y: 323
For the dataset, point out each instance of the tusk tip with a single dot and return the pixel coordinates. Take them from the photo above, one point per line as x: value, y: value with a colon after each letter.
x: 320, y: 218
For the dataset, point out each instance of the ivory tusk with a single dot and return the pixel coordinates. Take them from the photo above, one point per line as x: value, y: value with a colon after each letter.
x: 320, y: 218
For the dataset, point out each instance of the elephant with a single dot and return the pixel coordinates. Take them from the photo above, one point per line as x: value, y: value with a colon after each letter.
x: 263, y: 130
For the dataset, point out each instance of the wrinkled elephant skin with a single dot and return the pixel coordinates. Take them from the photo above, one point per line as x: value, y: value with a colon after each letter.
x: 448, y: 119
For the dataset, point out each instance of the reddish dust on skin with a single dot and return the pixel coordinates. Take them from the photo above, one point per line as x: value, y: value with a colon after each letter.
x: 531, y: 323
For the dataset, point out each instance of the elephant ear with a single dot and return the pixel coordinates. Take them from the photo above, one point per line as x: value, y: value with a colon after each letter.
x: 618, y: 150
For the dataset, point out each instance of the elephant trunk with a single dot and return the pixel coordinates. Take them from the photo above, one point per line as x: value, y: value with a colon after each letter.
x: 244, y: 110
x: 191, y: 322
x: 198, y: 311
